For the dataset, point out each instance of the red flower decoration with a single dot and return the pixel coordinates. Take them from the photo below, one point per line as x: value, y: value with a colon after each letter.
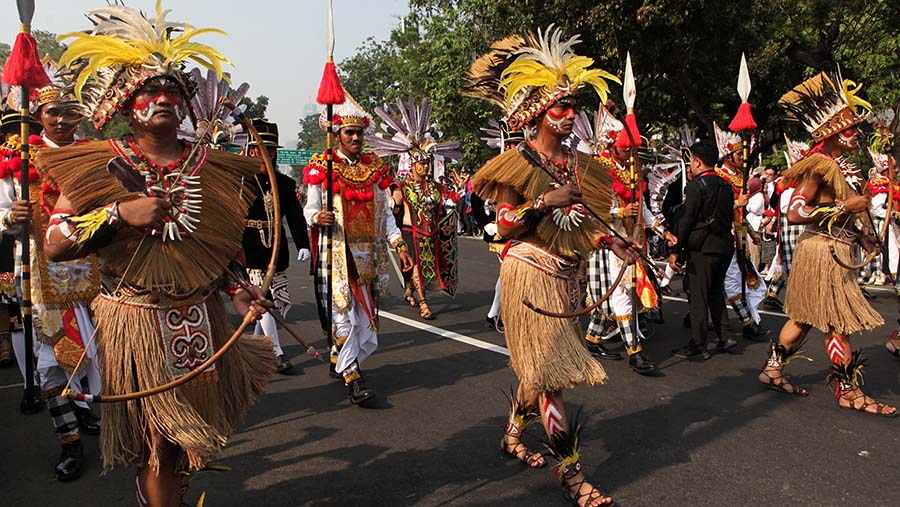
x: 366, y: 159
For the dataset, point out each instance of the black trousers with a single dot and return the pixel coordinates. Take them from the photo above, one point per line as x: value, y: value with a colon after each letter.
x: 706, y: 278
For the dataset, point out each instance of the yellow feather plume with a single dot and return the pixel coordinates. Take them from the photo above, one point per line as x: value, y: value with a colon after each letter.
x: 851, y: 89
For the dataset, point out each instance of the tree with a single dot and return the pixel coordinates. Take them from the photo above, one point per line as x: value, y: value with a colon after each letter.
x: 311, y: 136
x: 47, y: 45
x: 256, y: 108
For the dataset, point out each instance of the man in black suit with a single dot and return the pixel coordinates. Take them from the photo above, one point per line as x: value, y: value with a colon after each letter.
x: 260, y: 229
x: 707, y: 243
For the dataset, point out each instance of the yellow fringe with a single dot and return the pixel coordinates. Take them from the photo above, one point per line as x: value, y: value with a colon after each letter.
x: 89, y: 223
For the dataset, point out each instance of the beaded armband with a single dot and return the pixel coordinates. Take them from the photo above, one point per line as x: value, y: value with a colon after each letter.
x: 399, y: 245
x: 511, y: 217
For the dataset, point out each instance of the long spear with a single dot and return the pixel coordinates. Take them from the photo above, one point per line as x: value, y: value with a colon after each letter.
x: 330, y: 93
x: 24, y: 69
x: 743, y: 122
x: 630, y: 137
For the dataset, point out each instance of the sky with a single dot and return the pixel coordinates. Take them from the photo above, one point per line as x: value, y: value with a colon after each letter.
x: 277, y: 46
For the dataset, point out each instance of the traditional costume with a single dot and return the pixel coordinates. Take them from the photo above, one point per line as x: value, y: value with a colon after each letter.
x: 364, y: 230
x: 258, y: 235
x: 603, y: 266
x: 427, y: 224
x: 745, y: 306
x: 159, y: 313
x: 527, y: 76
x: 61, y: 292
x: 879, y: 186
x: 822, y: 291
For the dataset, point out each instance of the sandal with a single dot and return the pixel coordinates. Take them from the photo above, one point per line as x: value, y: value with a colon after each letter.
x: 595, y: 497
x: 890, y: 344
x: 782, y: 387
x: 424, y: 311
x: 408, y: 296
x: 519, y: 450
x: 879, y: 406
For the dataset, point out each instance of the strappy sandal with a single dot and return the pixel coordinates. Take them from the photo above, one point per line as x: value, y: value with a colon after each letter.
x: 408, y: 296
x: 519, y: 450
x: 879, y: 406
x: 889, y: 344
x: 424, y: 311
x: 593, y: 495
x: 774, y: 384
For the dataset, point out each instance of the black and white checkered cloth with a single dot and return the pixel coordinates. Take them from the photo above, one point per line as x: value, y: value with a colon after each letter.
x: 62, y: 413
x: 788, y: 236
x: 319, y: 272
x: 598, y: 283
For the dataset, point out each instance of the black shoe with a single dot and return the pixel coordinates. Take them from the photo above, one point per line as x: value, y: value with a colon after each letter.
x: 725, y: 345
x: 31, y: 404
x: 495, y: 322
x: 282, y: 365
x: 686, y: 321
x: 772, y: 303
x: 691, y: 350
x: 71, y: 461
x: 600, y: 351
x: 332, y: 372
x: 868, y: 295
x: 88, y: 423
x: 640, y: 364
x: 756, y: 332
x: 666, y: 291
x: 357, y: 392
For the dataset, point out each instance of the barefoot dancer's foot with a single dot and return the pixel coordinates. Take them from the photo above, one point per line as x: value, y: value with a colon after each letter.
x: 511, y: 444
x: 578, y: 491
x: 773, y: 378
x: 854, y: 398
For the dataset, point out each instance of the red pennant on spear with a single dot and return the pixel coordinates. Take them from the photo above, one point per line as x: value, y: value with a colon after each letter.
x: 330, y: 93
x: 24, y: 69
x: 629, y: 90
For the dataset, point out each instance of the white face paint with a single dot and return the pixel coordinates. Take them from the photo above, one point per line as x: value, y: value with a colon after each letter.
x: 143, y: 115
x: 180, y: 113
x: 848, y: 138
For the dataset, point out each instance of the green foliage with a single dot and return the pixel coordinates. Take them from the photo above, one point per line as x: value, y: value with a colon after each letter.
x: 686, y: 55
x: 311, y: 136
x: 256, y: 108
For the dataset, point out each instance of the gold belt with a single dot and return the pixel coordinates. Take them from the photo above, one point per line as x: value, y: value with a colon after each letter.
x: 258, y: 224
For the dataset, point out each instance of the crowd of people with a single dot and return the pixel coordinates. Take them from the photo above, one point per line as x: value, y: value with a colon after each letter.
x: 133, y: 241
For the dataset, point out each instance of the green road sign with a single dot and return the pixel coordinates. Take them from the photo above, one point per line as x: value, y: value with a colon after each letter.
x: 295, y: 157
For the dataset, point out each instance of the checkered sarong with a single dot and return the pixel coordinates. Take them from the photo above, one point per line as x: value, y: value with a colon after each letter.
x: 319, y: 271
x: 598, y: 283
x: 62, y: 413
x: 279, y: 292
x: 788, y: 235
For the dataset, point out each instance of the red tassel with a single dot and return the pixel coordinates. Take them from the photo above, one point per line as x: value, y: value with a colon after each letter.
x: 330, y: 89
x: 623, y: 141
x: 23, y: 68
x: 743, y: 120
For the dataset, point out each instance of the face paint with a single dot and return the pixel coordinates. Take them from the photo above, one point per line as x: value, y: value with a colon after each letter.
x: 847, y: 138
x: 555, y: 119
x: 143, y: 114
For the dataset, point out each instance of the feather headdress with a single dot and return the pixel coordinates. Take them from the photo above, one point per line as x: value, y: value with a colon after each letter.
x: 728, y: 142
x: 215, y: 125
x: 796, y: 150
x: 526, y: 75
x: 824, y: 107
x: 594, y: 138
x: 409, y: 130
x: 125, y: 48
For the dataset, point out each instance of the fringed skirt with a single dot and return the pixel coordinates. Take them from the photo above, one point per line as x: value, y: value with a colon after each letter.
x: 546, y: 353
x: 148, y: 338
x: 823, y: 294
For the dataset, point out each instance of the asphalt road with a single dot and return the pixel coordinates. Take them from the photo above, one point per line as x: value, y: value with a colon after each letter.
x: 699, y: 434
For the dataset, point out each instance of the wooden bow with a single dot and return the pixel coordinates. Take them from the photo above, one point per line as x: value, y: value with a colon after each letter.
x: 248, y: 318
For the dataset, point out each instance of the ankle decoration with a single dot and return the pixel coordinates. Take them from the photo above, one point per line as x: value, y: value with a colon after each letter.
x: 563, y: 446
x: 847, y: 376
x: 520, y: 416
x: 351, y: 373
x: 779, y: 355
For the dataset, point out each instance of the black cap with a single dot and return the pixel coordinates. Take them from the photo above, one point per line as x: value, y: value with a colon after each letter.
x: 268, y: 133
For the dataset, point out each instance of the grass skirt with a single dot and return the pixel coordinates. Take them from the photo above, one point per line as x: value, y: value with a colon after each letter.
x: 198, y: 416
x: 823, y: 294
x: 546, y: 353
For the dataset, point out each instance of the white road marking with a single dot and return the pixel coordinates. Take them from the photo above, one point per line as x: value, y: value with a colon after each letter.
x: 468, y: 340
x: 10, y: 386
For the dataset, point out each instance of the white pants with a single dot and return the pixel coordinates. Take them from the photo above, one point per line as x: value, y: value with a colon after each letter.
x: 361, y: 337
x: 50, y: 373
x: 733, y: 288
